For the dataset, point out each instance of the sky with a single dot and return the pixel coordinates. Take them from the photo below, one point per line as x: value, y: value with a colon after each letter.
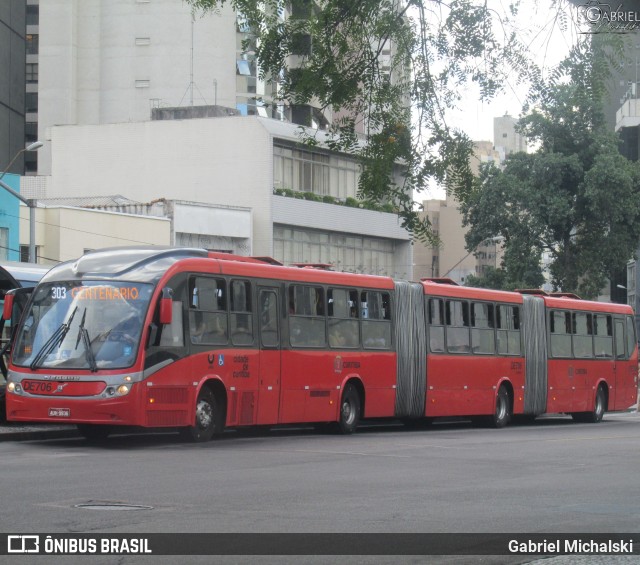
x: 537, y: 27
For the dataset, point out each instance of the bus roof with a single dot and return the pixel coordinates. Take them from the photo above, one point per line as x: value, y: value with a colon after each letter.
x: 149, y: 264
x: 438, y: 287
x: 17, y: 275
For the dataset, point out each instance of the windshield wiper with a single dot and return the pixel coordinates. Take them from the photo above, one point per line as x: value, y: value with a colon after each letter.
x: 83, y: 334
x: 55, y: 340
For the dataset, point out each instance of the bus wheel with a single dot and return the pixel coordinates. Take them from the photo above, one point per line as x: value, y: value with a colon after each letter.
x: 208, y: 420
x: 94, y: 432
x: 350, y: 407
x: 598, y: 411
x: 502, y: 415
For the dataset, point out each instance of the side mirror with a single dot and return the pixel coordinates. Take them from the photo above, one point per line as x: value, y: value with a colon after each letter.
x: 166, y: 306
x: 8, y: 306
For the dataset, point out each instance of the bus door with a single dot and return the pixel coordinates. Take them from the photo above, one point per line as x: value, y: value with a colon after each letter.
x: 617, y: 379
x: 270, y: 363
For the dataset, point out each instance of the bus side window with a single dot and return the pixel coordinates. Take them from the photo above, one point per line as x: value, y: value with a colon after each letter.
x: 603, y: 332
x: 582, y: 335
x: 307, y: 324
x: 457, y: 326
x: 241, y: 316
x: 208, y: 310
x: 508, y: 330
x: 376, y: 328
x: 435, y: 317
x: 342, y: 314
x: 560, y: 330
x: 482, y: 328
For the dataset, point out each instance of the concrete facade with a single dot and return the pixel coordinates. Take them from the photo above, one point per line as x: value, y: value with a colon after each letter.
x: 12, y: 71
x: 112, y: 62
x: 506, y: 139
x: 65, y: 233
x: 220, y: 162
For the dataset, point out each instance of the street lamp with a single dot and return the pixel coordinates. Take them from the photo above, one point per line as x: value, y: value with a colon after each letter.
x: 30, y: 202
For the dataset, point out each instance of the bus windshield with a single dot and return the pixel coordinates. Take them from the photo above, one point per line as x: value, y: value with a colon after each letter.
x: 83, y: 325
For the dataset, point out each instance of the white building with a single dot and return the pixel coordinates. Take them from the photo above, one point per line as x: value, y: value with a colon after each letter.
x: 235, y: 162
x: 107, y: 66
x: 506, y: 139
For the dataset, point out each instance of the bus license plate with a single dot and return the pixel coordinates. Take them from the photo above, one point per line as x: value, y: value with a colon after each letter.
x: 59, y: 412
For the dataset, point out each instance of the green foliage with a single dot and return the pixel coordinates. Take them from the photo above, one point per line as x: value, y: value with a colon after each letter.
x: 576, y: 198
x: 351, y: 202
x: 328, y: 54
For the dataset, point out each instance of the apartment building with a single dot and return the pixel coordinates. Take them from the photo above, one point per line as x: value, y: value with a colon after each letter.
x: 142, y: 99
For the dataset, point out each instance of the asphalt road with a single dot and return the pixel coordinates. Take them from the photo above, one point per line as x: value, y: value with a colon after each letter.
x: 549, y: 477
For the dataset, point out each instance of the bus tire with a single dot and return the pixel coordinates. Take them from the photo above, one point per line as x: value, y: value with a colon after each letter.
x: 503, y: 410
x: 599, y: 408
x: 350, y: 408
x: 208, y: 418
x: 94, y: 432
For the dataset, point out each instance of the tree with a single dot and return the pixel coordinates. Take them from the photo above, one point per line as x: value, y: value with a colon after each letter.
x: 328, y: 53
x: 576, y: 198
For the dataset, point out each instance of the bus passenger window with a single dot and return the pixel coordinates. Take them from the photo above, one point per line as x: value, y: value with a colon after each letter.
x: 208, y: 311
x: 603, y: 332
x: 457, y: 313
x: 241, y: 319
x: 560, y: 330
x: 582, y: 335
x: 482, y: 328
x: 307, y: 325
x: 343, y: 328
x: 508, y: 330
x: 376, y: 328
x: 435, y: 317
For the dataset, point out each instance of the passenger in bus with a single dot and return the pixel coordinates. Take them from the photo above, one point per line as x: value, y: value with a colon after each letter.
x: 212, y: 331
x: 337, y: 338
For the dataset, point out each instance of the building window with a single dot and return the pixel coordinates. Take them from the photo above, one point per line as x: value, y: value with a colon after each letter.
x: 32, y: 43
x: 32, y: 15
x: 31, y: 73
x: 142, y: 83
x: 24, y: 254
x: 31, y: 132
x: 346, y: 252
x: 31, y: 102
x: 311, y: 171
x: 143, y: 41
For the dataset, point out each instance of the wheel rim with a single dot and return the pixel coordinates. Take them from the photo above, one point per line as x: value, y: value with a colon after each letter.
x: 204, y: 414
x: 348, y: 412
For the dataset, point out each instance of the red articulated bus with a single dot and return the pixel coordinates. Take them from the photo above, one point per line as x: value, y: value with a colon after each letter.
x: 190, y: 339
x: 526, y: 353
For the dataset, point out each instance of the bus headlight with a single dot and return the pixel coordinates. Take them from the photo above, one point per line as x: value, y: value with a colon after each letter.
x: 11, y: 387
x: 123, y: 390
